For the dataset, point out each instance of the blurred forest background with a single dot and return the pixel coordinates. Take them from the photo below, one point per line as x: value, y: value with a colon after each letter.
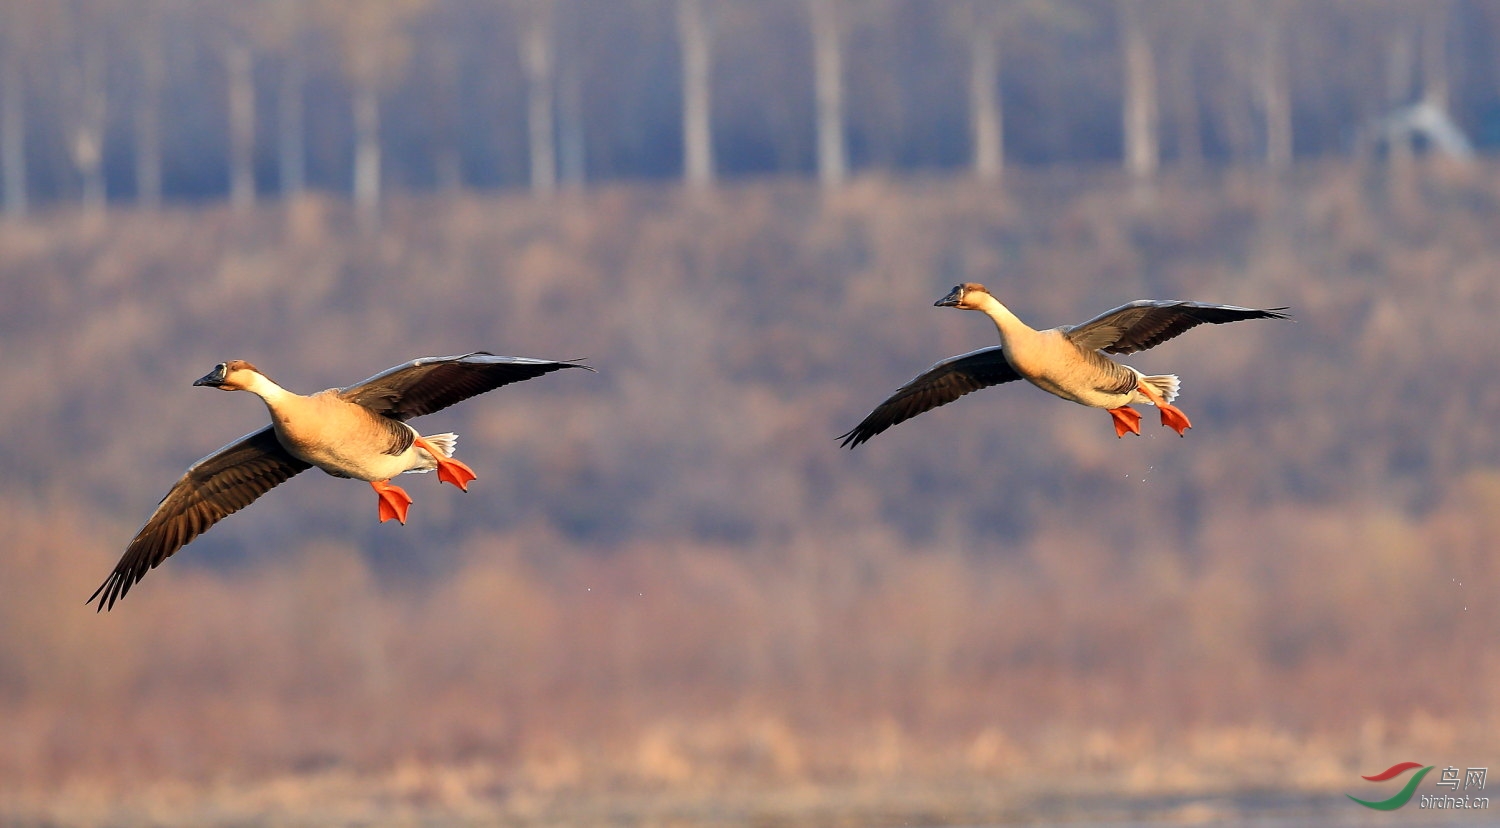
x: 670, y: 595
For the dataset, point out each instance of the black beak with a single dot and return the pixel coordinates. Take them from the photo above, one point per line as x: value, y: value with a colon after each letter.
x: 952, y: 299
x: 214, y: 378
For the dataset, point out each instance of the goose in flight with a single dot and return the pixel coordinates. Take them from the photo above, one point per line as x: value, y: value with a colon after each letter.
x: 357, y: 432
x: 1068, y: 361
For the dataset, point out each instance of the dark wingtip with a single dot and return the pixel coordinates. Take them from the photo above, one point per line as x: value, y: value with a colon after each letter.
x: 112, y: 590
x: 103, y: 600
x: 852, y: 438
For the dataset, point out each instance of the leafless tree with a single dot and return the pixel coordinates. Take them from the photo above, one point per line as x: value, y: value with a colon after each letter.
x: 1435, y: 54
x: 17, y: 23
x: 1275, y: 91
x: 86, y: 96
x: 694, y: 33
x: 536, y: 61
x: 239, y: 74
x: 375, y: 49
x: 1186, y: 28
x: 281, y: 32
x: 444, y: 109
x: 152, y: 61
x: 571, y: 144
x: 828, y: 70
x: 1142, y: 153
x: 13, y: 133
x: 984, y: 91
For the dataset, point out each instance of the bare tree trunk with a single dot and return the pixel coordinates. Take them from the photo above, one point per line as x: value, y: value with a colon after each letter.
x: 697, y: 102
x: 1181, y: 94
x: 1398, y: 70
x: 1142, y: 156
x: 1235, y: 114
x: 239, y: 66
x: 572, y: 147
x: 984, y: 99
x: 1435, y: 55
x: 536, y: 59
x: 1275, y: 96
x: 290, y: 149
x: 87, y: 144
x: 828, y: 69
x: 148, y: 111
x: 13, y: 132
x: 367, y: 155
x: 1398, y: 93
x: 446, y: 106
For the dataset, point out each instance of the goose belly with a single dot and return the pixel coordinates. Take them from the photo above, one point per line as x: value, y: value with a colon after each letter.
x: 1087, y: 385
x: 1088, y: 395
x: 347, y: 459
x: 375, y: 466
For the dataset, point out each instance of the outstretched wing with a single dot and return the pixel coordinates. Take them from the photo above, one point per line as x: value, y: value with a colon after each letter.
x: 430, y: 384
x: 942, y: 383
x: 1147, y: 323
x: 213, y: 488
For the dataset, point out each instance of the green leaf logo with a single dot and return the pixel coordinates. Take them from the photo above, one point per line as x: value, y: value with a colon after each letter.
x: 1405, y: 794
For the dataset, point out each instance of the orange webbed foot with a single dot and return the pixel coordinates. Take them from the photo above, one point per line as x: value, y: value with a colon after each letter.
x: 449, y: 470
x: 455, y: 472
x: 1127, y: 420
x: 394, y: 501
x: 1173, y: 418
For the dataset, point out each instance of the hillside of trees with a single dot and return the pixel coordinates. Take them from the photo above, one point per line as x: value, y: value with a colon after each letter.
x: 669, y: 578
x: 152, y: 101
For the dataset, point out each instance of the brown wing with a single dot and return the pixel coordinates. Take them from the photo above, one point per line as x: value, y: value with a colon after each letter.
x: 430, y: 384
x: 1147, y: 323
x: 213, y: 488
x: 942, y: 383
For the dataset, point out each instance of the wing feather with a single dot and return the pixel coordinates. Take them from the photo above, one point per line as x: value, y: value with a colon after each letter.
x: 1147, y: 323
x: 941, y: 384
x: 430, y: 384
x: 213, y: 488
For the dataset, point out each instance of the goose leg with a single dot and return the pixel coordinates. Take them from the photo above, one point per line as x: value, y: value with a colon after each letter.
x: 1127, y: 420
x: 394, y: 501
x: 1171, y: 416
x: 448, y: 469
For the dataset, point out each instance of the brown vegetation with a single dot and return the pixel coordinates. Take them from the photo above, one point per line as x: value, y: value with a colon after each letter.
x: 668, y: 578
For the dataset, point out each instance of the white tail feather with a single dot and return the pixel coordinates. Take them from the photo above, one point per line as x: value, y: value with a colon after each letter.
x: 1165, y: 384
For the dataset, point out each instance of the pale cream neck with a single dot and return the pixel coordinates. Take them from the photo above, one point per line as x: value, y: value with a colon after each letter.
x: 1008, y: 324
x: 269, y: 392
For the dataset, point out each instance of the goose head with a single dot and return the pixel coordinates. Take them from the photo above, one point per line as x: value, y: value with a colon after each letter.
x: 966, y: 296
x: 234, y: 375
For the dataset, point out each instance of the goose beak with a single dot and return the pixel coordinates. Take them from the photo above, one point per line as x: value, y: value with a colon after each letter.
x: 214, y: 378
x: 952, y: 299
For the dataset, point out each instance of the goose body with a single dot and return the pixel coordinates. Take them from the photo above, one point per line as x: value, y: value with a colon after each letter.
x: 1071, y: 361
x: 357, y: 432
x: 342, y: 438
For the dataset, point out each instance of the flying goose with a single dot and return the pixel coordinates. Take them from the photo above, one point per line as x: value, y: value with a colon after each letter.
x: 358, y: 432
x: 1068, y: 361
